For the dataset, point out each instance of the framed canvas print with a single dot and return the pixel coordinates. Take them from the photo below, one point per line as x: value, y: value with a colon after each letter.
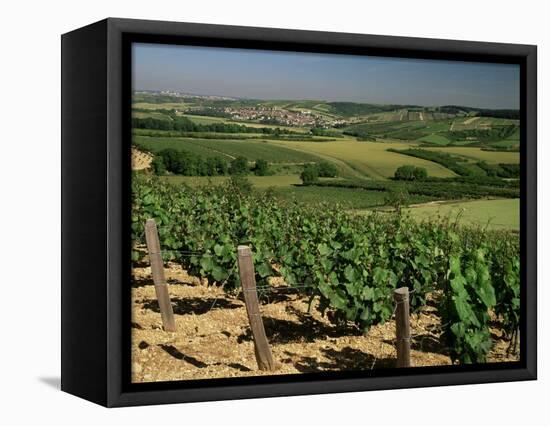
x: 253, y: 212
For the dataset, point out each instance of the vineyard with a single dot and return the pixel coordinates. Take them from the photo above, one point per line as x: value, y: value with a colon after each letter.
x: 347, y: 266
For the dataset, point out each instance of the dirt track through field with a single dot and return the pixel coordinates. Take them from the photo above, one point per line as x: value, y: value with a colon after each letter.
x: 213, y: 337
x: 470, y: 120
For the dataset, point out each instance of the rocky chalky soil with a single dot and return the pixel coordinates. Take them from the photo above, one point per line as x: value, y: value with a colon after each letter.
x: 213, y: 338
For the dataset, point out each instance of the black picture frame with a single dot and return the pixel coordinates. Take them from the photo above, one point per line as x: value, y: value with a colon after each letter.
x: 95, y: 206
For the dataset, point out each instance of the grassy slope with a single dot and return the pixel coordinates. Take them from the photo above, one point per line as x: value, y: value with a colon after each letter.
x: 152, y: 114
x: 251, y: 149
x: 435, y: 139
x: 498, y: 214
x: 478, y: 154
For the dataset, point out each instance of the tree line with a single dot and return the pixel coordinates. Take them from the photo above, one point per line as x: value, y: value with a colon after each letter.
x: 185, y: 163
x: 184, y: 124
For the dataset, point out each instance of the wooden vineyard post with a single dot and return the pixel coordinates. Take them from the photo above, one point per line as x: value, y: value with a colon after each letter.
x: 402, y: 327
x: 157, y: 269
x: 248, y: 283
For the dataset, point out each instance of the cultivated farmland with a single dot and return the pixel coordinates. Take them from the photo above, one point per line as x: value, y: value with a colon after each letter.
x: 340, y: 203
x: 371, y: 159
x: 494, y: 214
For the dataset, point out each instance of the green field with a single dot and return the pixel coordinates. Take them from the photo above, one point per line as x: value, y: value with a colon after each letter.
x: 257, y: 181
x: 496, y: 214
x: 152, y: 114
x: 435, y: 139
x: 203, y: 119
x: 230, y: 149
x: 477, y: 154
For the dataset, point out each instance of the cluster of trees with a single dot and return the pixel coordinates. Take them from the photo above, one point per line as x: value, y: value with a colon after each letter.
x: 410, y: 173
x: 186, y: 163
x: 239, y: 167
x: 312, y: 172
x: 184, y: 124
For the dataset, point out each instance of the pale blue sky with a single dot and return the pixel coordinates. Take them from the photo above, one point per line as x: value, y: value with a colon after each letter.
x: 260, y: 74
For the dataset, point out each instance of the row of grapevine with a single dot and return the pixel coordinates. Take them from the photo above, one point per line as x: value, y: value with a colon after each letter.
x: 351, y: 263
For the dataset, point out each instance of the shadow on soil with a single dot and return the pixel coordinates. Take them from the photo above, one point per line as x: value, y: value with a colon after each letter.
x: 176, y: 353
x: 171, y: 350
x: 424, y: 343
x: 307, y: 329
x: 192, y: 305
x: 147, y: 281
x: 274, y: 297
x: 141, y: 282
x: 238, y: 366
x: 428, y: 343
x: 345, y: 359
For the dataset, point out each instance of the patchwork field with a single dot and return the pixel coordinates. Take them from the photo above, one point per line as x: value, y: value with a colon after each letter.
x: 357, y: 140
x: 368, y: 158
x: 432, y: 128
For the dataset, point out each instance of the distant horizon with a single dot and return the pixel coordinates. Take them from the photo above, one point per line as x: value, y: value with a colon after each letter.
x: 241, y: 98
x: 300, y: 76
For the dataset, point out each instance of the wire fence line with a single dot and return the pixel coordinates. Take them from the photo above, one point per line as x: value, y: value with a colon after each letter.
x: 186, y: 253
x: 420, y: 337
x: 267, y: 290
x: 263, y: 290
